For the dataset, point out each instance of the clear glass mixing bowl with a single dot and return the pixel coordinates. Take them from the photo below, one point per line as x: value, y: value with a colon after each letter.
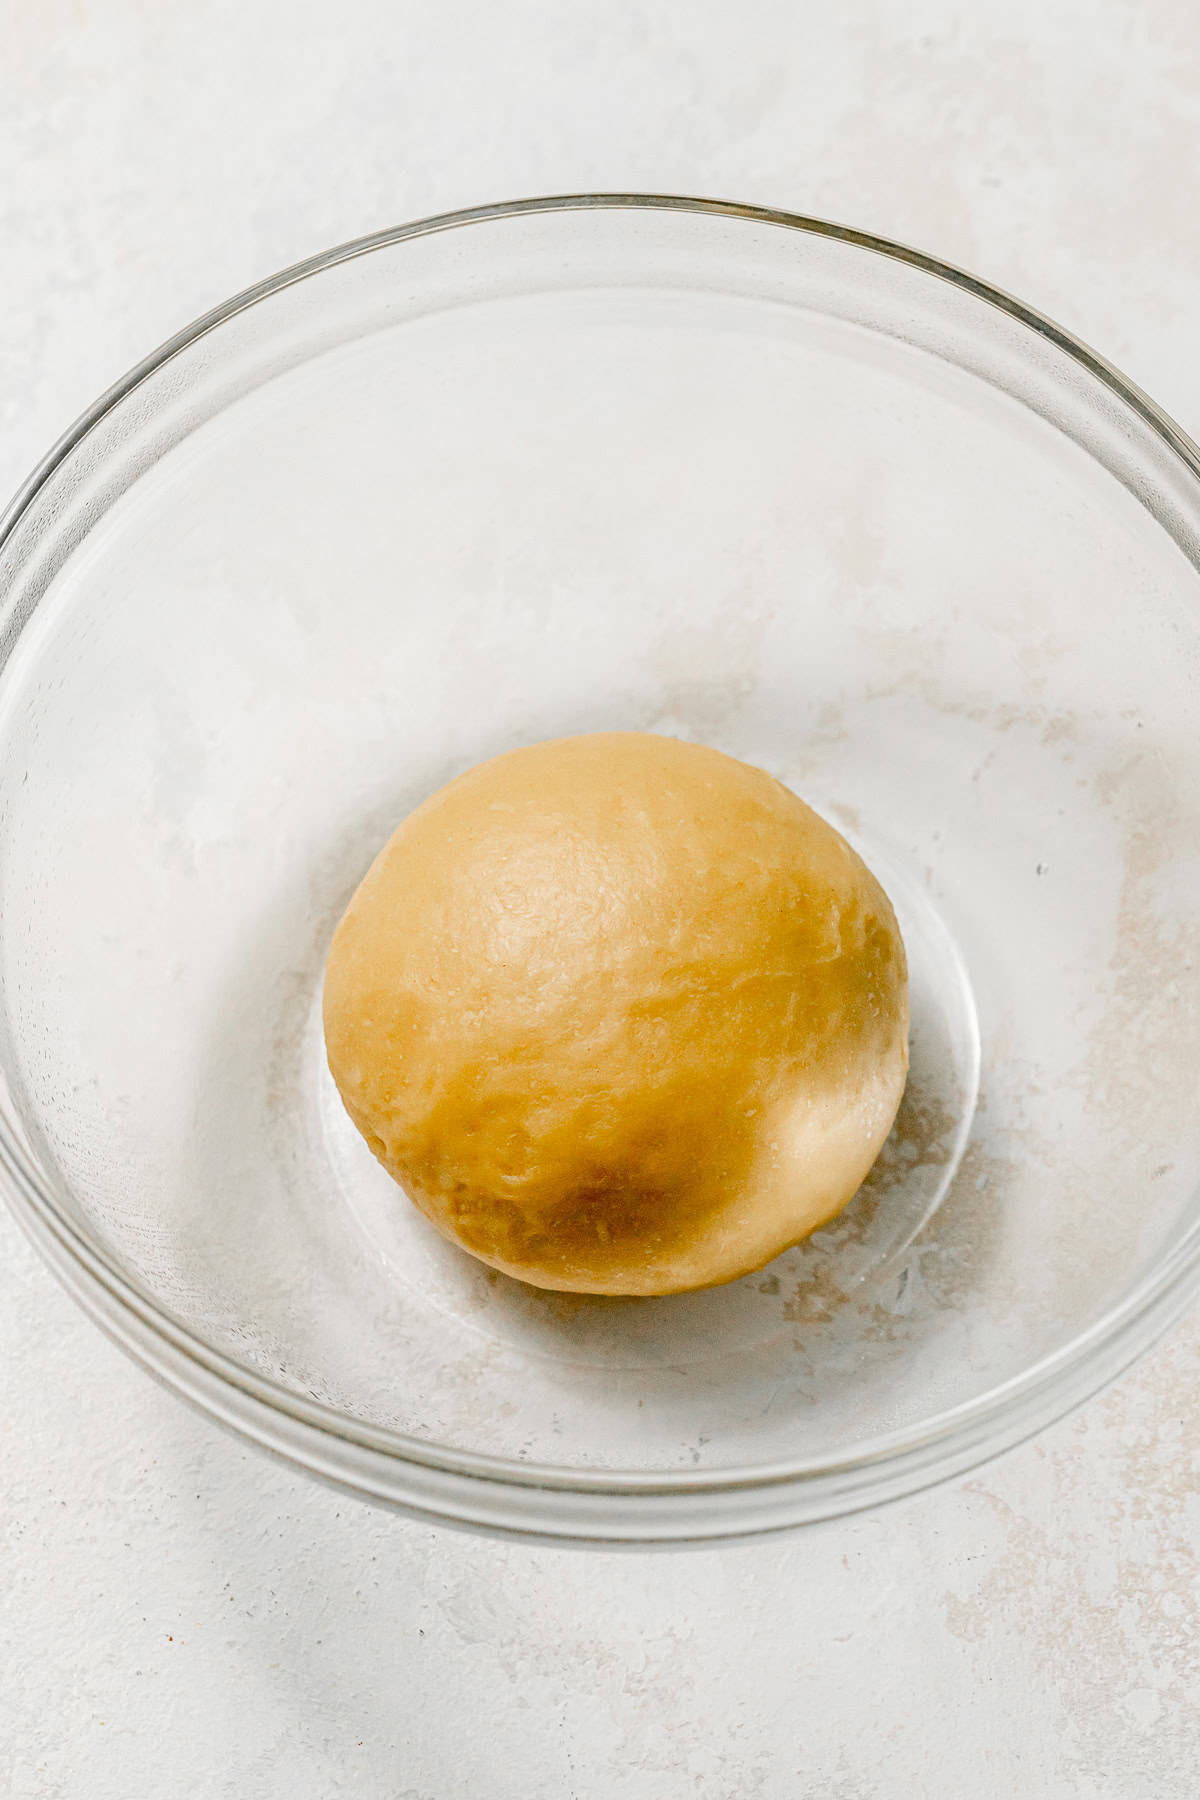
x: 608, y: 462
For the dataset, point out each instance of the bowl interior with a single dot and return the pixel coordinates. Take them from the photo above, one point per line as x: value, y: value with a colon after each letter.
x: 678, y: 473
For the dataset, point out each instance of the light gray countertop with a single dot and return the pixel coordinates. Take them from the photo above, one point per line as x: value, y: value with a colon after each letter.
x: 177, y: 1615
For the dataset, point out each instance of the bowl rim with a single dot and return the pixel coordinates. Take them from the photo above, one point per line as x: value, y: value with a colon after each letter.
x: 888, y: 1464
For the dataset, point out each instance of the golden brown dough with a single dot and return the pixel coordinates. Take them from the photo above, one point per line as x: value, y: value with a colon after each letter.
x: 621, y: 1014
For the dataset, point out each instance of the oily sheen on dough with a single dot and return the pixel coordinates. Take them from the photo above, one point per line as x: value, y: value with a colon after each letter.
x: 620, y: 1014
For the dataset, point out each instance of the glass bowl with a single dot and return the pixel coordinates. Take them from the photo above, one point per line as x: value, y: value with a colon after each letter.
x: 595, y: 463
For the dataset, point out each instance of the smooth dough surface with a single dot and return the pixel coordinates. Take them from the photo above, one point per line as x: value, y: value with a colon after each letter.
x: 621, y: 1014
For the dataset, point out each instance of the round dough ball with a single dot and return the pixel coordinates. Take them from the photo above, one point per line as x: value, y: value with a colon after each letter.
x: 621, y: 1014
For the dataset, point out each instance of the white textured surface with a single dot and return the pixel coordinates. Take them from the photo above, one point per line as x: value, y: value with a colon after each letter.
x: 177, y: 1616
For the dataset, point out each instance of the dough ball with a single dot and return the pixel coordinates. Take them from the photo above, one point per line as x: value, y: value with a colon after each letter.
x: 621, y: 1014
